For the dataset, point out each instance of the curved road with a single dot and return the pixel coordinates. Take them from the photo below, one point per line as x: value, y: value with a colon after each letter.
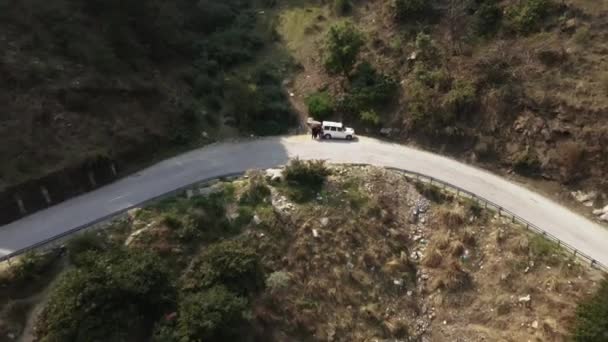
x: 224, y: 158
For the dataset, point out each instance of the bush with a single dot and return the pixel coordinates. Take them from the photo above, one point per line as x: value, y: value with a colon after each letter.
x: 86, y: 242
x: 427, y: 49
x: 412, y: 9
x: 487, y: 18
x: 527, y: 16
x: 342, y: 7
x: 460, y: 99
x: 343, y: 44
x: 320, y: 105
x: 591, y: 324
x: 306, y: 178
x: 526, y: 163
x: 109, y: 299
x: 370, y: 88
x: 257, y: 191
x: 229, y: 263
x: 423, y: 107
x: 216, y: 314
x: 370, y: 117
x: 278, y: 280
x: 311, y: 173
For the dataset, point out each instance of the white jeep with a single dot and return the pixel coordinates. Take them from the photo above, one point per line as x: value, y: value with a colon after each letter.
x: 335, y: 130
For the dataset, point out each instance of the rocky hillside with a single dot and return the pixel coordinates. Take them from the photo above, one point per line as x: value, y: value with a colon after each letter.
x: 309, y: 253
x: 511, y: 85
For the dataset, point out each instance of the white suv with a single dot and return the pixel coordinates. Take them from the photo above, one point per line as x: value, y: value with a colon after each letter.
x: 335, y: 130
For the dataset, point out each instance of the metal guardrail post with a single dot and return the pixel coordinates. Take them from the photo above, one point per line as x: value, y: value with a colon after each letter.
x: 575, y: 251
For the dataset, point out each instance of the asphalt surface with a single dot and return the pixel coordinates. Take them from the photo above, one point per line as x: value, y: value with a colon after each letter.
x: 224, y: 158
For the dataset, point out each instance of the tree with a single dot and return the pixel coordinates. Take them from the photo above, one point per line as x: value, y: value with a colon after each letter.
x: 344, y: 42
x: 320, y: 105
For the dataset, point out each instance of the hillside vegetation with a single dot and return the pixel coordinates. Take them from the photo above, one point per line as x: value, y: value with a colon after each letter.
x: 515, y: 85
x: 311, y: 253
x: 82, y: 80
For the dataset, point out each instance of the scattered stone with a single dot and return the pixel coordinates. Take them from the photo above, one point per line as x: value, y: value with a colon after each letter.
x: 584, y: 197
x: 398, y: 282
x: 274, y: 174
x: 315, y: 233
x: 527, y: 269
x: 445, y: 322
x: 324, y: 221
x: 409, y: 293
x: 525, y: 299
x: 256, y: 219
x: 535, y: 324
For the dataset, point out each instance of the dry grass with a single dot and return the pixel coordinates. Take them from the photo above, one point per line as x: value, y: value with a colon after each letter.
x: 453, y: 278
x: 451, y: 218
x: 456, y: 249
x: 432, y: 259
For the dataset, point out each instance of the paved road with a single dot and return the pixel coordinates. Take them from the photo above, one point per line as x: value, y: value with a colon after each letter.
x: 225, y: 158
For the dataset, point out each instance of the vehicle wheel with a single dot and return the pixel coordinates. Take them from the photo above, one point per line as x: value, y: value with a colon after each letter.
x: 349, y: 137
x: 327, y: 136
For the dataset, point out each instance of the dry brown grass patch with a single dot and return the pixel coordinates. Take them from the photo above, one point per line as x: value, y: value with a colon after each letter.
x: 456, y: 249
x: 468, y: 238
x: 451, y: 218
x: 520, y: 245
x: 432, y: 259
x: 442, y: 242
x: 454, y: 278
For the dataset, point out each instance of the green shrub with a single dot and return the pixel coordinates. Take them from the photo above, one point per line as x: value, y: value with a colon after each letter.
x: 427, y: 49
x: 311, y: 173
x: 342, y: 7
x: 527, y: 16
x: 423, y: 107
x: 461, y: 98
x: 370, y: 117
x: 278, y: 280
x: 370, y: 88
x: 305, y: 178
x: 433, y: 78
x: 86, y: 242
x: 257, y: 191
x: 109, y: 299
x: 320, y: 105
x: 526, y: 163
x: 216, y: 314
x: 591, y: 323
x: 487, y: 18
x: 412, y: 9
x: 29, y: 268
x: 343, y: 44
x: 228, y: 263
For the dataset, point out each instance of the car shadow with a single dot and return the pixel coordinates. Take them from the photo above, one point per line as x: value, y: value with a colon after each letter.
x: 338, y: 141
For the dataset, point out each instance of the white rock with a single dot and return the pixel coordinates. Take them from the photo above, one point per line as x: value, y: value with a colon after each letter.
x: 535, y: 324
x: 324, y: 221
x: 409, y: 293
x: 257, y: 219
x: 604, y: 217
x: 398, y: 282
x: 315, y: 233
x: 525, y: 299
x: 274, y: 174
